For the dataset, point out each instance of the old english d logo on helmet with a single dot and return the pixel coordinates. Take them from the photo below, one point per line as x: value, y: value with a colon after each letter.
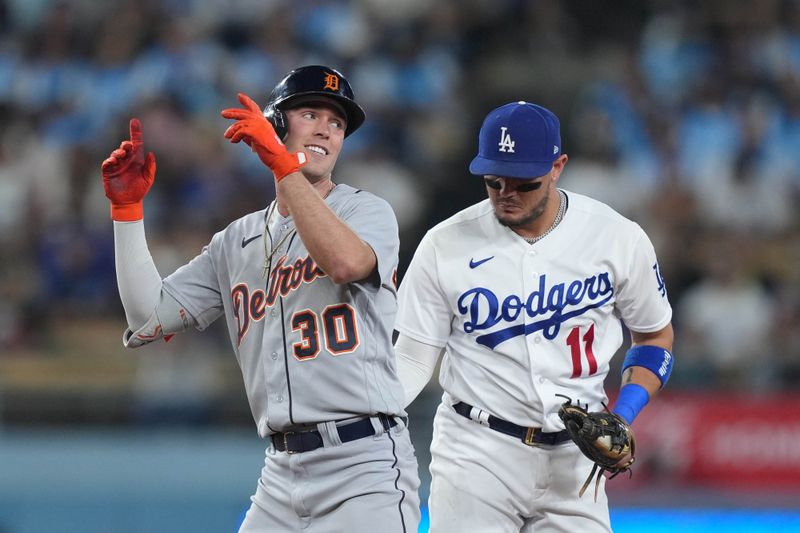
x: 332, y: 82
x: 312, y: 80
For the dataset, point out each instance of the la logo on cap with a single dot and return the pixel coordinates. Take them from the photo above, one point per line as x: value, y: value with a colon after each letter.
x: 506, y: 144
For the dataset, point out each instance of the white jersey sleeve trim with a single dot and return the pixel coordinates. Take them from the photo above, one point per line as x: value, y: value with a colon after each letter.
x: 419, y: 337
x: 416, y: 362
x: 655, y: 327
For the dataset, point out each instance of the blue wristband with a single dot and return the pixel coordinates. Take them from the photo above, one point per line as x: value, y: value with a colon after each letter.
x: 632, y: 399
x: 654, y: 358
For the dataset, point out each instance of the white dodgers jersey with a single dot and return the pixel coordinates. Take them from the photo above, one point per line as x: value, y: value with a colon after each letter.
x: 521, y: 323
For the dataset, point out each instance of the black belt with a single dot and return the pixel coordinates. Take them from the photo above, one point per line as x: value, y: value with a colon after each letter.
x: 530, y: 436
x: 305, y: 441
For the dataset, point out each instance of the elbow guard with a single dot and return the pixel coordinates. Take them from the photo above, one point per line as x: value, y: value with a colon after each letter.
x: 654, y: 358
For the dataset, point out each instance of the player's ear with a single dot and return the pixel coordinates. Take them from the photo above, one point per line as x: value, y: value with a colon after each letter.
x: 558, y: 166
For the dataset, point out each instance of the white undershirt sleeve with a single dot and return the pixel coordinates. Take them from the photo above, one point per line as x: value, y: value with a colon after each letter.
x: 416, y: 362
x: 137, y: 277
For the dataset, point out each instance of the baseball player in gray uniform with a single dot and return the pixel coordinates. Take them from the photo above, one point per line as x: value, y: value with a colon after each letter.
x: 307, y: 289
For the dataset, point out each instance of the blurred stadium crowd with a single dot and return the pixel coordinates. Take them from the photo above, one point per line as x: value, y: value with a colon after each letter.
x: 684, y: 116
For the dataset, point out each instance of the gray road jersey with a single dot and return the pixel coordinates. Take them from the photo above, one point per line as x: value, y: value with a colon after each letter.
x: 310, y: 350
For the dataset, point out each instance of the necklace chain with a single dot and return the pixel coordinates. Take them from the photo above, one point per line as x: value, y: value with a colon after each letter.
x: 269, y: 253
x: 562, y: 207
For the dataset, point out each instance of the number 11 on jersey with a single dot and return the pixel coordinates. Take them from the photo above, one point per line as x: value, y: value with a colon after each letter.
x: 574, y: 343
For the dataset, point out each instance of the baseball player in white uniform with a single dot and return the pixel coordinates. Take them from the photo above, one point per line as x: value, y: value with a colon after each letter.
x: 525, y: 294
x: 307, y: 289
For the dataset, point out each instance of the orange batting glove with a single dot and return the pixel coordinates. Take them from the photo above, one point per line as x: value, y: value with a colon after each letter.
x: 256, y: 131
x: 128, y: 175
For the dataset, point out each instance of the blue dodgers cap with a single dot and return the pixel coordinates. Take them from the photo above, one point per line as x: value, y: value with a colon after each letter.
x: 518, y: 140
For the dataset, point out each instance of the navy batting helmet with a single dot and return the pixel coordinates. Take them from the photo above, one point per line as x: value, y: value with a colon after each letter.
x: 304, y: 83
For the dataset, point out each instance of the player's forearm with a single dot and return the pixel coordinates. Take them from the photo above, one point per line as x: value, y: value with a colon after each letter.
x: 641, y: 375
x: 137, y: 277
x: 646, y: 369
x: 644, y: 377
x: 332, y: 244
x: 416, y: 362
x: 662, y: 338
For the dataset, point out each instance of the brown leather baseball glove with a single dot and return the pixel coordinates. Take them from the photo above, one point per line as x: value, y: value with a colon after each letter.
x: 602, y: 437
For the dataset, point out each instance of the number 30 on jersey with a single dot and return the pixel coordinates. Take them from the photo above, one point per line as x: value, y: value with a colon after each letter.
x: 338, y: 327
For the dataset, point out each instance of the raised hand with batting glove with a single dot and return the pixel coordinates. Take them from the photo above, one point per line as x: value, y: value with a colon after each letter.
x: 255, y: 130
x: 128, y: 175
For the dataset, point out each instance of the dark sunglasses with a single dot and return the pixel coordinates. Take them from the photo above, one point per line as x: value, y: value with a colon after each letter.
x: 527, y: 186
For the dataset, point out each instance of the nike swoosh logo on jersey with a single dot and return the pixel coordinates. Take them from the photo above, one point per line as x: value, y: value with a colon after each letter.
x: 245, y: 242
x: 476, y: 264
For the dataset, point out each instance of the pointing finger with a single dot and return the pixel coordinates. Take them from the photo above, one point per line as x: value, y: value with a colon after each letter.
x: 238, y: 113
x: 249, y: 103
x: 136, y: 131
